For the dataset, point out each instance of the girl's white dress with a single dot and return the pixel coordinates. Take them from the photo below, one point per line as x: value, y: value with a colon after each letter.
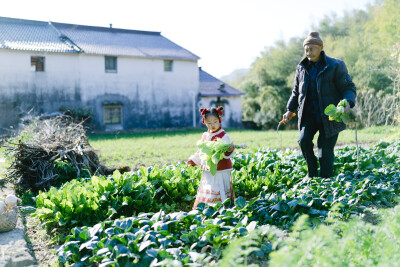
x: 218, y: 187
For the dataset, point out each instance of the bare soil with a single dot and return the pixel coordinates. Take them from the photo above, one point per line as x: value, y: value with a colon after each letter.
x: 40, y: 242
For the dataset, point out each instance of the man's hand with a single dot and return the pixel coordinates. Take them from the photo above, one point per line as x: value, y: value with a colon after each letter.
x: 190, y: 163
x: 347, y: 109
x: 288, y: 116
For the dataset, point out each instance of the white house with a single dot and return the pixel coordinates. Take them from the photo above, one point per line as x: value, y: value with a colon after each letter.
x: 128, y: 78
x: 214, y: 92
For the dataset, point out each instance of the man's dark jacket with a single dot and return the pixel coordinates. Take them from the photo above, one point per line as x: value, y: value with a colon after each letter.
x: 333, y: 84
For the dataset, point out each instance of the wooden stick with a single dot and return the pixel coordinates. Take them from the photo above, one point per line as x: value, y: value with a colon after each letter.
x: 358, y: 159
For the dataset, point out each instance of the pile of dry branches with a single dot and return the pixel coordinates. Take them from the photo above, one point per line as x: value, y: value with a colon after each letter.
x: 50, y: 152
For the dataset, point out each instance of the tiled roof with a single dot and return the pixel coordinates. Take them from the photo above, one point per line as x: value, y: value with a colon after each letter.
x: 211, y: 86
x: 60, y: 37
x: 121, y: 42
x: 31, y: 35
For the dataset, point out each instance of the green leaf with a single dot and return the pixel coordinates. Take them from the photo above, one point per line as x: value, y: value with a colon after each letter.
x: 143, y: 171
x: 152, y: 253
x: 252, y: 225
x: 164, y: 254
x: 144, y: 245
x: 243, y: 231
x: 240, y: 202
x: 342, y: 103
x: 193, y: 236
x: 201, y: 206
x: 84, y: 235
x: 213, y: 169
x: 208, y: 212
x: 215, y: 158
x: 102, y: 251
x: 345, y: 117
x: 331, y: 109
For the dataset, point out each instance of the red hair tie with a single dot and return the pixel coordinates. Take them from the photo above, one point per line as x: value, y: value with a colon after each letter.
x: 219, y: 112
x: 203, y: 111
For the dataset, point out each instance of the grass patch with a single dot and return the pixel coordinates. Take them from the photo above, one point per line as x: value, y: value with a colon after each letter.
x: 164, y: 147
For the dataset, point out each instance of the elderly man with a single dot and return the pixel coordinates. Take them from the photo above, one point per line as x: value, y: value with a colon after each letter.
x: 320, y: 81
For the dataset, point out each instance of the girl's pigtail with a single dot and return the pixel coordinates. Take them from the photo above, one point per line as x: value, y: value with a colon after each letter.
x: 203, y: 111
x: 220, y: 113
x: 219, y: 110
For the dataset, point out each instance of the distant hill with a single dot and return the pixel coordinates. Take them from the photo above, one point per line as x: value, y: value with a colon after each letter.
x: 235, y: 77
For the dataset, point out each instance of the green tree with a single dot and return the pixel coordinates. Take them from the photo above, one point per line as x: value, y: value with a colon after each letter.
x: 267, y: 85
x: 364, y: 40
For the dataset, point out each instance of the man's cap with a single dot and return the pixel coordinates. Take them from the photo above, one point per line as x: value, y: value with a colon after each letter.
x: 313, y: 38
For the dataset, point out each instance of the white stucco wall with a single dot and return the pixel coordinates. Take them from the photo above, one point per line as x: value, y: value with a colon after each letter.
x: 146, y: 75
x: 60, y: 75
x: 23, y: 90
x: 80, y: 79
x: 232, y: 117
x: 144, y: 82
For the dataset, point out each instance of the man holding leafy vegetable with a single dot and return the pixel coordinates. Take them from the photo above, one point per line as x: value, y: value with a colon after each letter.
x: 320, y: 81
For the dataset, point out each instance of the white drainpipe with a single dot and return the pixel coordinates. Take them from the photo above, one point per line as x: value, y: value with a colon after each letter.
x: 194, y: 107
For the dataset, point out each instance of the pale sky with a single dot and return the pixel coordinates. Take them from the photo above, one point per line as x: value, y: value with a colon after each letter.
x: 225, y: 34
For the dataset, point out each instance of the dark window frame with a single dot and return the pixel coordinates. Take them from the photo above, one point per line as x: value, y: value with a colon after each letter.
x: 111, y: 67
x: 168, y: 65
x: 109, y: 114
x: 38, y: 62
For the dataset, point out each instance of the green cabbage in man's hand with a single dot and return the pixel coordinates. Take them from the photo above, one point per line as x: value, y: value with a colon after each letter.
x: 337, y: 113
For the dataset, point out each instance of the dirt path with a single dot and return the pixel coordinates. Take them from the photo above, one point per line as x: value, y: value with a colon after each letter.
x: 14, y: 250
x: 28, y: 244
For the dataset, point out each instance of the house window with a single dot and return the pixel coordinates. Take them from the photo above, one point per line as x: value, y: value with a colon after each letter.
x: 168, y: 65
x: 112, y: 114
x: 111, y: 64
x: 37, y: 63
x: 219, y: 102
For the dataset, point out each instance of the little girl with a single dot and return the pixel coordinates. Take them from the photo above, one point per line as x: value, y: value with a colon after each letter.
x: 218, y: 187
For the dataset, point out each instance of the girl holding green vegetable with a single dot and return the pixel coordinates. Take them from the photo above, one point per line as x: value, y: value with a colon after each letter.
x: 213, y: 156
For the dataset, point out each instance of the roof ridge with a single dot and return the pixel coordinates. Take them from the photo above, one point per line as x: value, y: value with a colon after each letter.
x: 22, y: 20
x: 107, y: 29
x: 83, y: 26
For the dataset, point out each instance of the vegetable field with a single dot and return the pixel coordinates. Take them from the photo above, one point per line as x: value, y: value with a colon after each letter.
x: 151, y: 148
x: 144, y: 218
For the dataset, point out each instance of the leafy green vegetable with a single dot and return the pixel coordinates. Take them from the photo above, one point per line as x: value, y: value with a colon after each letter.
x: 337, y: 113
x: 370, y: 241
x: 149, y: 189
x: 150, y: 238
x: 212, y: 152
x: 173, y: 187
x: 272, y: 189
x: 200, y: 236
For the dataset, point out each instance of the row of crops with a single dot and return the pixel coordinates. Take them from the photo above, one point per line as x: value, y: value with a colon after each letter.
x: 145, y: 218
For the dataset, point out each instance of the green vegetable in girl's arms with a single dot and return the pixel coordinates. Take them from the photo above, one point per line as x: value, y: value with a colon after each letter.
x: 213, y: 151
x: 338, y: 113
